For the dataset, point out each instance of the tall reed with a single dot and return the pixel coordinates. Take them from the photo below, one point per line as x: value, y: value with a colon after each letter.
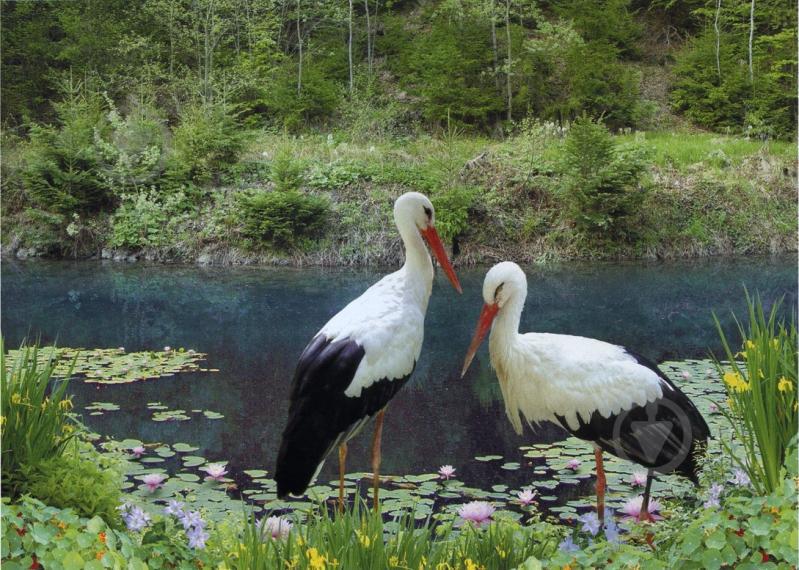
x: 35, y: 420
x: 761, y: 385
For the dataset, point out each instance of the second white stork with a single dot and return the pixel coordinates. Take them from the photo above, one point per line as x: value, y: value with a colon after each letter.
x: 599, y: 392
x: 361, y: 358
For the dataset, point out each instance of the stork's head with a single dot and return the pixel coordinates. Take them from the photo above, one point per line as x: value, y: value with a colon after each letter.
x: 503, y: 283
x: 414, y: 212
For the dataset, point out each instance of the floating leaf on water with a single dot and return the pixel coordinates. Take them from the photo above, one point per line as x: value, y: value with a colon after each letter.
x: 512, y: 466
x: 115, y: 366
x: 256, y: 473
x: 488, y: 458
x: 211, y: 415
x: 184, y: 447
x: 193, y: 460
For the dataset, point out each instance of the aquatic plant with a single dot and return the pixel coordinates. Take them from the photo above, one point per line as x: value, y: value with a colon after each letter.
x: 632, y: 508
x: 477, y: 512
x: 35, y: 422
x: 153, y: 481
x: 216, y: 471
x: 761, y: 384
x: 446, y: 471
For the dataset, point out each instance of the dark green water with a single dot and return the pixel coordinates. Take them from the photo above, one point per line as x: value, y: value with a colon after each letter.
x: 253, y: 323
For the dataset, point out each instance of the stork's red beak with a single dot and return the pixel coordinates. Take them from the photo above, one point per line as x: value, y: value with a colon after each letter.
x: 431, y: 235
x: 483, y: 326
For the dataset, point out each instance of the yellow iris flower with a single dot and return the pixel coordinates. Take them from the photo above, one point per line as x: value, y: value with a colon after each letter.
x: 785, y: 385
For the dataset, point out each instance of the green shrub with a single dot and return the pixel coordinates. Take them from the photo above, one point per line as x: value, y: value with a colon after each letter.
x: 147, y: 219
x: 133, y: 151
x: 82, y: 482
x: 762, y: 389
x: 282, y: 219
x: 60, y: 163
x: 315, y: 102
x: 452, y: 210
x: 206, y: 143
x: 35, y: 425
x: 602, y: 190
x: 286, y: 171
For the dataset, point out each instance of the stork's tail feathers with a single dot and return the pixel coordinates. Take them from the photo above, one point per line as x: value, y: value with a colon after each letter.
x: 304, y: 448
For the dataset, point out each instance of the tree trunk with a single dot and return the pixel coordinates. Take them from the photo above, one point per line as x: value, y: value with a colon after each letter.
x: 718, y: 38
x: 368, y: 38
x: 751, y: 37
x: 349, y: 46
x: 299, y: 43
x: 494, y: 43
x: 508, y: 71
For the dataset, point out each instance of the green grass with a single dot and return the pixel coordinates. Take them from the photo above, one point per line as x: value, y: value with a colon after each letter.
x: 681, y: 149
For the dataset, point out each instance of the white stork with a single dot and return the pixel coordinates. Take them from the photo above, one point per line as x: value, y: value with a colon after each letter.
x: 359, y: 360
x: 599, y: 392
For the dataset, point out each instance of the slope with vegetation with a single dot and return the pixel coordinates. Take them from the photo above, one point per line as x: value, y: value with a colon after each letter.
x: 276, y: 130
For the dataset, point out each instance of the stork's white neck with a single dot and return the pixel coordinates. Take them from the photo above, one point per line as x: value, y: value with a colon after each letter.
x: 505, y: 329
x: 418, y: 267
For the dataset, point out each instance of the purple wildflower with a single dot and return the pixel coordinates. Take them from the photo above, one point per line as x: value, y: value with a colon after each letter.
x: 713, y: 496
x: 134, y: 517
x: 174, y: 508
x: 740, y: 478
x: 197, y: 537
x: 191, y: 519
x: 567, y: 545
x: 590, y: 522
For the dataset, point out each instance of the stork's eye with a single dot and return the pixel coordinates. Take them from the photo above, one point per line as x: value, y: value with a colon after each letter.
x: 496, y: 293
x: 428, y: 212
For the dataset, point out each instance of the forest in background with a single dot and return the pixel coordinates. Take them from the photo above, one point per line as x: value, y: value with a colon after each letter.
x: 267, y: 130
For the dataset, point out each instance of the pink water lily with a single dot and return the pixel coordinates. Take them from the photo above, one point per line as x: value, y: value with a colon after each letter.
x: 477, y: 512
x: 526, y: 496
x: 153, y: 481
x: 686, y: 375
x: 446, y: 471
x: 638, y: 479
x: 632, y: 508
x: 137, y: 451
x: 276, y: 527
x: 215, y: 471
x: 573, y: 464
x: 713, y: 408
x: 167, y: 348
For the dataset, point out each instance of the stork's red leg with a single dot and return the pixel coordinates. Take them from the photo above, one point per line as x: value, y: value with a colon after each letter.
x: 601, y: 483
x: 342, y: 459
x: 376, y: 455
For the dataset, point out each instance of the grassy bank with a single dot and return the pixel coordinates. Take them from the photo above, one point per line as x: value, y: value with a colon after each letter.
x: 693, y: 194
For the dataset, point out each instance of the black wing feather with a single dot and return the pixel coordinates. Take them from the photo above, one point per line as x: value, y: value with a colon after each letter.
x: 320, y: 414
x: 664, y: 435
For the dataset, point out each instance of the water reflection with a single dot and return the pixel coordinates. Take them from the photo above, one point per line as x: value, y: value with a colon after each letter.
x: 253, y: 323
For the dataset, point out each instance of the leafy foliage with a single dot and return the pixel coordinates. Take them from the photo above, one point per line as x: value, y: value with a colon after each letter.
x: 361, y: 539
x: 602, y: 180
x: 763, y: 393
x: 285, y: 219
x: 61, y: 164
x: 133, y: 151
x: 147, y: 219
x: 206, y: 142
x: 83, y: 482
x: 35, y: 534
x: 714, y: 88
x: 35, y: 425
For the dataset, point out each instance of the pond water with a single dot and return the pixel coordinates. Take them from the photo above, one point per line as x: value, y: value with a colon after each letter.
x: 254, y: 322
